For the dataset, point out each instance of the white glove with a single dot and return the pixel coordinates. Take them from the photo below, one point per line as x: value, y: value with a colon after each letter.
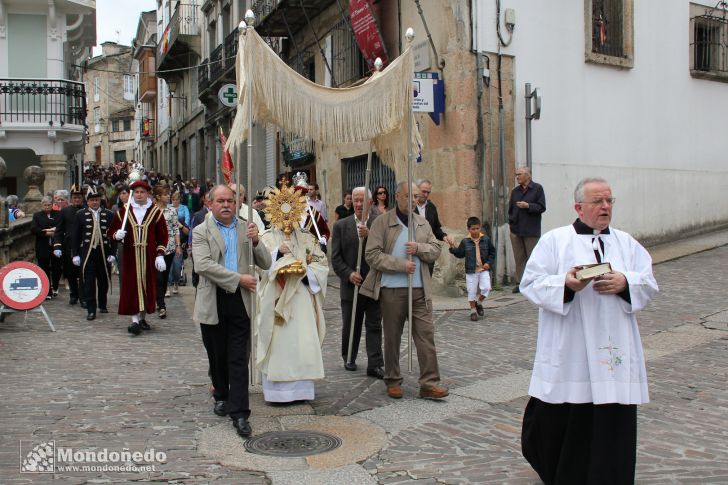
x: 120, y: 235
x: 160, y: 264
x: 57, y: 253
x: 110, y: 260
x: 322, y: 240
x: 76, y: 260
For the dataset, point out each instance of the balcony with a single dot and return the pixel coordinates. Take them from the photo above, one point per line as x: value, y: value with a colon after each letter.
x: 49, y: 102
x: 231, y: 48
x: 273, y: 15
x: 203, y: 76
x: 180, y: 40
x: 216, y: 63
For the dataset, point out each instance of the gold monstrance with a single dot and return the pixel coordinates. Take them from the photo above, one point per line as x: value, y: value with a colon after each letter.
x: 284, y: 208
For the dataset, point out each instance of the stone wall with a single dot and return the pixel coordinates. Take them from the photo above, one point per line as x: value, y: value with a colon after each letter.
x: 17, y: 243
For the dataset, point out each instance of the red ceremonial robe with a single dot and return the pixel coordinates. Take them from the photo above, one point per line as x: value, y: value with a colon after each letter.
x: 142, y: 244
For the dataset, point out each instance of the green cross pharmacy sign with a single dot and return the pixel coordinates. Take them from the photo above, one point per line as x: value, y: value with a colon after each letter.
x: 228, y: 95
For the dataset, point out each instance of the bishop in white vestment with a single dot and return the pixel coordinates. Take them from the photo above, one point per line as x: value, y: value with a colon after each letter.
x: 580, y: 425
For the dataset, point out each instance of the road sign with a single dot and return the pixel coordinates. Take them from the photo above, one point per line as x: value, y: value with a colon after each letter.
x: 428, y: 95
x: 23, y: 285
x: 228, y: 95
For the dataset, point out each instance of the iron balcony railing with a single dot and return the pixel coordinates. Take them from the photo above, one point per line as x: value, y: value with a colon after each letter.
x: 56, y: 102
x: 231, y: 48
x: 263, y: 8
x: 185, y: 21
x: 216, y: 63
x: 203, y: 76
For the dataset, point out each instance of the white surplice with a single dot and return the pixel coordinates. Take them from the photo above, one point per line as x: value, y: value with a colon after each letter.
x: 291, y: 326
x: 588, y: 350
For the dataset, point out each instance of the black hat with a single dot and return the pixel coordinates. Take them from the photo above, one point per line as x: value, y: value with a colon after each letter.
x: 91, y: 192
x: 75, y: 190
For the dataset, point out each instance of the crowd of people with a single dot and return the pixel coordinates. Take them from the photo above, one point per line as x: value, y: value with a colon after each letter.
x: 584, y: 391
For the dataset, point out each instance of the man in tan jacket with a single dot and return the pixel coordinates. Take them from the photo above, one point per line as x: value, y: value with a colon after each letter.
x: 220, y: 247
x: 388, y: 253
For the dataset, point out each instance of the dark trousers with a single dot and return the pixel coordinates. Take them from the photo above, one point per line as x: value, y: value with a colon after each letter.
x: 584, y: 444
x: 372, y: 323
x: 227, y: 351
x: 94, y: 278
x: 162, y: 277
x: 52, y: 268
x: 73, y: 275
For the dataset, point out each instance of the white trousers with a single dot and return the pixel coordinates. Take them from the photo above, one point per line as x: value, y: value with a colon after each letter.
x: 475, y: 281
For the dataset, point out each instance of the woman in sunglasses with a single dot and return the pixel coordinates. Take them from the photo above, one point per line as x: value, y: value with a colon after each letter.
x: 381, y: 200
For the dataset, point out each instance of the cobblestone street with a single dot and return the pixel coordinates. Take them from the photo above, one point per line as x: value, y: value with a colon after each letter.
x: 91, y: 385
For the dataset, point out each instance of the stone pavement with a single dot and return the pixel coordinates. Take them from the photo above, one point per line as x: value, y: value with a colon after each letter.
x: 92, y: 386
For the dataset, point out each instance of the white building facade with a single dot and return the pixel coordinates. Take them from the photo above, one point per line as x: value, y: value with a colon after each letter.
x: 42, y: 101
x: 630, y: 92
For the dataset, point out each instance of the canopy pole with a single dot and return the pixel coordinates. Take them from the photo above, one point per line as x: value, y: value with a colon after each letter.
x: 365, y: 218
x: 250, y: 21
x: 409, y: 35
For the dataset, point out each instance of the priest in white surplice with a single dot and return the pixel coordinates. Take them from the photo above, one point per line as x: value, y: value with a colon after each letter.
x: 580, y: 425
x: 291, y: 325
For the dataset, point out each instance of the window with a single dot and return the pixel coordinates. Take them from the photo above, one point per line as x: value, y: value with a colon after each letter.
x: 609, y: 26
x: 127, y: 124
x: 96, y: 90
x: 114, y: 125
x: 347, y: 61
x: 119, y: 156
x: 128, y: 87
x: 97, y: 120
x: 709, y: 42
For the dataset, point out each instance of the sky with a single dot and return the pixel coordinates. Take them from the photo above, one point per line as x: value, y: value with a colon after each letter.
x: 117, y: 20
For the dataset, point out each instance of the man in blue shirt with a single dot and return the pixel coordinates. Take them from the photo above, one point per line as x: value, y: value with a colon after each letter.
x: 223, y: 300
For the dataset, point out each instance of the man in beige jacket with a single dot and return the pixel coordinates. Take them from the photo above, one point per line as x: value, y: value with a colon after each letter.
x: 388, y: 254
x: 220, y: 247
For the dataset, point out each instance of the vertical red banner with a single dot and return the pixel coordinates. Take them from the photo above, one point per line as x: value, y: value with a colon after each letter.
x: 366, y: 33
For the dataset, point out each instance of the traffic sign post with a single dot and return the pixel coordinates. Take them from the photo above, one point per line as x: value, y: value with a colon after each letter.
x: 23, y: 287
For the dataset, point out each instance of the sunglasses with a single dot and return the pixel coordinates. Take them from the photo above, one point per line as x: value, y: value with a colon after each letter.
x: 381, y: 193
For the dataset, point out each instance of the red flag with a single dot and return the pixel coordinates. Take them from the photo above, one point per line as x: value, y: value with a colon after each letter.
x: 227, y: 160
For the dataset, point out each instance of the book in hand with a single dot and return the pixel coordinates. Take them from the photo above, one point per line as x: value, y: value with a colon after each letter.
x: 589, y: 271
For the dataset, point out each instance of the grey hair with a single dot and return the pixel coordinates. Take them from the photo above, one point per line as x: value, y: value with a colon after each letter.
x: 45, y: 199
x: 11, y: 200
x: 215, y: 189
x: 579, y: 190
x: 525, y: 168
x: 356, y: 190
x: 402, y: 184
x: 61, y: 193
x: 422, y: 181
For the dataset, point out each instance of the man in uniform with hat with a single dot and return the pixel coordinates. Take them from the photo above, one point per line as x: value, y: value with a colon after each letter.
x: 92, y: 252
x: 63, y: 244
x: 144, y: 232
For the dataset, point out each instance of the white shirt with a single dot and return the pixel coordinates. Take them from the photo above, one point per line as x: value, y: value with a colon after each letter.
x: 589, y: 349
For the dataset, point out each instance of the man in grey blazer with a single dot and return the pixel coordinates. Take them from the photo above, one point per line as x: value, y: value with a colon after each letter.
x: 345, y: 248
x: 220, y: 247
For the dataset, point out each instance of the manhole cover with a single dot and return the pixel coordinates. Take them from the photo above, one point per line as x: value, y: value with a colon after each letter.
x: 292, y: 443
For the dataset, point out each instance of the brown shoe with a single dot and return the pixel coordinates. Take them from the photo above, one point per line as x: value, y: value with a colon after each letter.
x: 395, y: 392
x: 434, y: 392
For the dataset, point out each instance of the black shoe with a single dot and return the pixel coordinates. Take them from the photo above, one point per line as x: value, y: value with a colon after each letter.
x: 243, y: 427
x: 55, y: 293
x: 162, y: 313
x: 479, y: 309
x: 144, y: 325
x: 134, y: 328
x: 377, y: 372
x: 516, y: 290
x: 220, y: 408
x: 83, y: 304
x: 103, y: 310
x: 91, y: 316
x: 73, y: 300
x: 350, y: 366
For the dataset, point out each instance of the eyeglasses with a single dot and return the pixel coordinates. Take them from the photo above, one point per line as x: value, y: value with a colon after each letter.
x: 381, y: 193
x: 609, y: 201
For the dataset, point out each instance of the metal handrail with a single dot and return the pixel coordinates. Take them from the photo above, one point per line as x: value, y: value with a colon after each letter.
x: 51, y: 101
x: 231, y: 48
